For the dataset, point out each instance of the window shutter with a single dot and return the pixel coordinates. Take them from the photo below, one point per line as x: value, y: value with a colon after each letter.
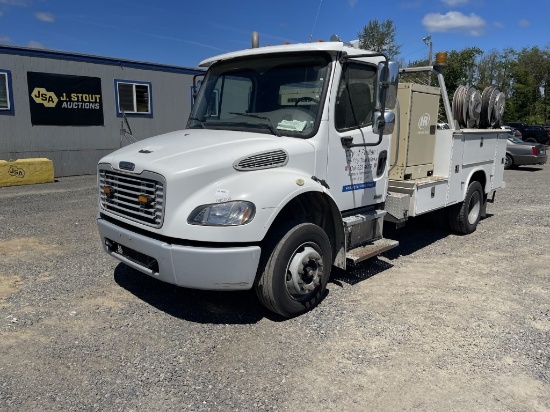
x: 4, y: 105
x: 142, y: 98
x: 126, y: 97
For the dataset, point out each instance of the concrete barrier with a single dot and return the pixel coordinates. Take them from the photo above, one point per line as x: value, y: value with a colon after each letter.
x: 26, y: 171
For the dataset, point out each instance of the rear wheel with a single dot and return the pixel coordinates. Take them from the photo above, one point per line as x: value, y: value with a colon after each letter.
x: 464, y: 216
x: 509, y: 163
x: 531, y: 140
x: 295, y: 275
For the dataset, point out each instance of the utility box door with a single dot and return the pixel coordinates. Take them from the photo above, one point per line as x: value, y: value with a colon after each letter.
x: 419, y: 106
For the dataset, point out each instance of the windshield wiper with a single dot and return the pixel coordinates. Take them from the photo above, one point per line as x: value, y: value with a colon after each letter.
x: 269, y: 124
x: 198, y: 120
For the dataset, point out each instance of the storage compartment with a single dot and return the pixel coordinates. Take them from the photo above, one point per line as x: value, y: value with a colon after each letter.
x: 415, y: 145
x: 426, y: 194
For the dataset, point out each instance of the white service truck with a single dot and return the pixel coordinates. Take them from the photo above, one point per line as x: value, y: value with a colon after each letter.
x: 293, y: 158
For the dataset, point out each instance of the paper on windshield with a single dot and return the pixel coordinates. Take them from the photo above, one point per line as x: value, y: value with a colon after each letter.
x: 292, y: 125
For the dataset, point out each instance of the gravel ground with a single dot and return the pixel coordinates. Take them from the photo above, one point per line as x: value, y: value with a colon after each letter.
x: 442, y: 323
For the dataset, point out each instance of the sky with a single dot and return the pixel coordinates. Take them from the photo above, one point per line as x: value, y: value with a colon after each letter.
x: 184, y: 32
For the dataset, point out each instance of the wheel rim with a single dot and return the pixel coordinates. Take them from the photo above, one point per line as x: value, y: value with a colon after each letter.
x: 304, y: 271
x: 474, y: 207
x: 508, y: 161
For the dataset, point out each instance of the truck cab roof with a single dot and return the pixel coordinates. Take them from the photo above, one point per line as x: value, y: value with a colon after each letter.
x: 331, y: 47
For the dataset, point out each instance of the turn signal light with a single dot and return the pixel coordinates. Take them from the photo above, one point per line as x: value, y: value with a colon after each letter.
x: 109, y: 191
x: 145, y: 200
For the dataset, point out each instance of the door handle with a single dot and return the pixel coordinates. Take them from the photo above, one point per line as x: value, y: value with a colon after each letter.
x: 347, y: 141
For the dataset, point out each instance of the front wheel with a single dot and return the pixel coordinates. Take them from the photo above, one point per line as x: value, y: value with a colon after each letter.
x: 464, y: 216
x: 295, y: 275
x: 531, y: 140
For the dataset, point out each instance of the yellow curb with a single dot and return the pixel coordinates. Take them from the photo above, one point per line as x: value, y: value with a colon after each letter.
x: 26, y: 171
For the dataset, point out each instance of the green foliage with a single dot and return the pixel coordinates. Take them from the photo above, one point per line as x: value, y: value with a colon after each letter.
x: 380, y: 37
x: 528, y: 93
x: 461, y: 67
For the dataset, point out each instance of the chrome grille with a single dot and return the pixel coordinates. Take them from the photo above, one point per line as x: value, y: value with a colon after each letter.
x: 263, y: 160
x: 119, y: 193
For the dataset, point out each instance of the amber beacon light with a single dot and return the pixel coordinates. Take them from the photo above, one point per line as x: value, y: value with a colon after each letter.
x: 441, y: 59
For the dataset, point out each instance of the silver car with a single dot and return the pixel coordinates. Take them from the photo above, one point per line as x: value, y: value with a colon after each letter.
x: 520, y: 153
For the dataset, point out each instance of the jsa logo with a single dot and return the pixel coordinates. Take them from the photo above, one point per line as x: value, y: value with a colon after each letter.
x: 16, y: 172
x: 40, y: 95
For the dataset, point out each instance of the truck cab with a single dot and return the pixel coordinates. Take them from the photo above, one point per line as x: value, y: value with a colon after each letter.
x: 317, y: 94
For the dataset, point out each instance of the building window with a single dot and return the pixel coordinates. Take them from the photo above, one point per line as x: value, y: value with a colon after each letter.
x: 134, y: 98
x: 6, y: 96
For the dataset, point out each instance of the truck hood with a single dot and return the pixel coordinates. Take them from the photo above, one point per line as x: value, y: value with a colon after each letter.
x: 193, y: 150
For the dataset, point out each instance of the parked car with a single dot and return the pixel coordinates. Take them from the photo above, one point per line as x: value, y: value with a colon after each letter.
x: 531, y: 133
x: 515, y: 132
x: 520, y: 153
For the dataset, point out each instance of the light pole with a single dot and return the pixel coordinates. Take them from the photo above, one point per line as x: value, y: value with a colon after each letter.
x: 428, y: 41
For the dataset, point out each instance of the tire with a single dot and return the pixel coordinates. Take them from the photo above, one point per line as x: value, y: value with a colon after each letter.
x: 464, y: 216
x: 509, y: 163
x: 298, y: 260
x: 531, y: 140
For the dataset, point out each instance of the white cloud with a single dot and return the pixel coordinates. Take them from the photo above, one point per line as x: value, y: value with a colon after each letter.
x: 454, y: 21
x: 453, y: 3
x: 35, y: 44
x: 47, y: 17
x: 1, y: 13
x: 524, y: 23
x: 5, y: 39
x: 352, y: 3
x: 498, y: 24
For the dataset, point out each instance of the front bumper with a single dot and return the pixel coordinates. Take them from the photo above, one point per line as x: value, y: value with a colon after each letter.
x: 209, y: 268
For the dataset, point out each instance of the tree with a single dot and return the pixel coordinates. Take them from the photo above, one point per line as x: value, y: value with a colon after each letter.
x: 531, y: 76
x: 461, y: 68
x: 380, y: 37
x: 490, y: 70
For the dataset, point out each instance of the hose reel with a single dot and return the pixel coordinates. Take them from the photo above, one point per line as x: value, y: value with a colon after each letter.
x: 467, y: 106
x: 472, y: 109
x: 492, y: 107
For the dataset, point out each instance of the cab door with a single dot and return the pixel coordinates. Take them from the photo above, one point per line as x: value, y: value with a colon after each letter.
x: 357, y: 158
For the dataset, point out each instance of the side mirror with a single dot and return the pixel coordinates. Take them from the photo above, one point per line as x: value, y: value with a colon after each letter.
x: 385, y: 123
x: 196, y: 86
x: 388, y: 73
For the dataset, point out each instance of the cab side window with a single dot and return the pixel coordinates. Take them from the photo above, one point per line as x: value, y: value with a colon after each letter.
x: 355, y: 102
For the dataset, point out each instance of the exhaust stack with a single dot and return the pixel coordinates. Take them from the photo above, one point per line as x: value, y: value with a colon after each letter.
x: 255, y: 40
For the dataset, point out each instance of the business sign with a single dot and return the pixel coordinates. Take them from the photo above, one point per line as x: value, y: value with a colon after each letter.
x: 63, y: 100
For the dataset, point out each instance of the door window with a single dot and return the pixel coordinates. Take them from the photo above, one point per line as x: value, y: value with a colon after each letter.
x: 355, y: 102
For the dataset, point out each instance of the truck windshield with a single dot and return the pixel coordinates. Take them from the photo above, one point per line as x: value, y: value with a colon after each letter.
x: 281, y: 95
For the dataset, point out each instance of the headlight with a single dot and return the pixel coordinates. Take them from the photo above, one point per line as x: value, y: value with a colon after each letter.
x: 223, y: 214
